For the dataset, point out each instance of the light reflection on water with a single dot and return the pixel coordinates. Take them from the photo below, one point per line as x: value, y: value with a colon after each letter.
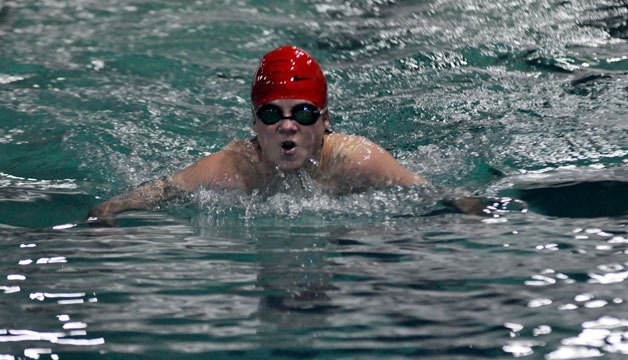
x: 425, y: 286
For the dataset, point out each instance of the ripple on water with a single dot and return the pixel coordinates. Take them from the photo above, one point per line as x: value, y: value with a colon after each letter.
x: 563, y: 192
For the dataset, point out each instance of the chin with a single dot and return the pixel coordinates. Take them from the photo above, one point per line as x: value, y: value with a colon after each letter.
x: 289, y: 165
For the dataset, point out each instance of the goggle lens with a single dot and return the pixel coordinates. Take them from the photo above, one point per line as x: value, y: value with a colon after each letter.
x: 304, y: 114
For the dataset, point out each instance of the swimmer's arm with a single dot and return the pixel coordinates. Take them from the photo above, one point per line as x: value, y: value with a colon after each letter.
x: 370, y: 166
x: 222, y: 170
x: 213, y: 171
x: 380, y: 169
x: 145, y: 197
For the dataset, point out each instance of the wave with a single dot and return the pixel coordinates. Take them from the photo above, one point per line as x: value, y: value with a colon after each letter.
x: 575, y: 193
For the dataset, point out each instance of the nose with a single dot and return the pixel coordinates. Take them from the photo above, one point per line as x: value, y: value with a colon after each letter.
x: 287, y: 125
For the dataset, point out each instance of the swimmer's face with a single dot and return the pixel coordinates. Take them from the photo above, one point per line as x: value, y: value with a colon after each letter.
x: 287, y: 144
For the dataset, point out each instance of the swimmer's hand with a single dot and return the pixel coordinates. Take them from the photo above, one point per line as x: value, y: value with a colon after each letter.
x: 485, y: 206
x: 101, y: 216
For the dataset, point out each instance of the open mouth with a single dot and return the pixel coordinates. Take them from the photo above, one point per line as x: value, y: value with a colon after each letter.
x: 288, y: 145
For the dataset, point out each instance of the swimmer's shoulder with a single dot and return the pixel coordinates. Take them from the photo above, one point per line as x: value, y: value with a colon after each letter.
x: 342, y: 140
x: 338, y: 145
x: 234, y: 166
x: 336, y: 138
x: 360, y: 163
x: 243, y: 154
x: 246, y: 161
x: 242, y: 147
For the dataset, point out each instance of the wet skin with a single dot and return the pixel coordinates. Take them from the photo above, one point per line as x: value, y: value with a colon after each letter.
x: 339, y: 163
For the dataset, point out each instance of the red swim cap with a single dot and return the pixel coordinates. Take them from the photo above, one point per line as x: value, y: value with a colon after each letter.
x: 289, y: 73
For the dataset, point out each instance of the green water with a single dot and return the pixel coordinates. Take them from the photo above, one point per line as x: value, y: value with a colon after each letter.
x: 525, y: 99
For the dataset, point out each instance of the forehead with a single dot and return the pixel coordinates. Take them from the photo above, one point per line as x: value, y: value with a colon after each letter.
x: 288, y: 103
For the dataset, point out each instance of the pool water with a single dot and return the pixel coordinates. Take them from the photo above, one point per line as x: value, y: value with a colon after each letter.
x: 524, y: 99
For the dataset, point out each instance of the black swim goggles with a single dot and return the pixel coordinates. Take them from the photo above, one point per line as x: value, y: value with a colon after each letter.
x: 304, y: 114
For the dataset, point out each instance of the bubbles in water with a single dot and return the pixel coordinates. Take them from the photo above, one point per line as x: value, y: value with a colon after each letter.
x: 300, y: 197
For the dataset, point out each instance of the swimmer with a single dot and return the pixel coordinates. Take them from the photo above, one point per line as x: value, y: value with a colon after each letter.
x: 293, y: 134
